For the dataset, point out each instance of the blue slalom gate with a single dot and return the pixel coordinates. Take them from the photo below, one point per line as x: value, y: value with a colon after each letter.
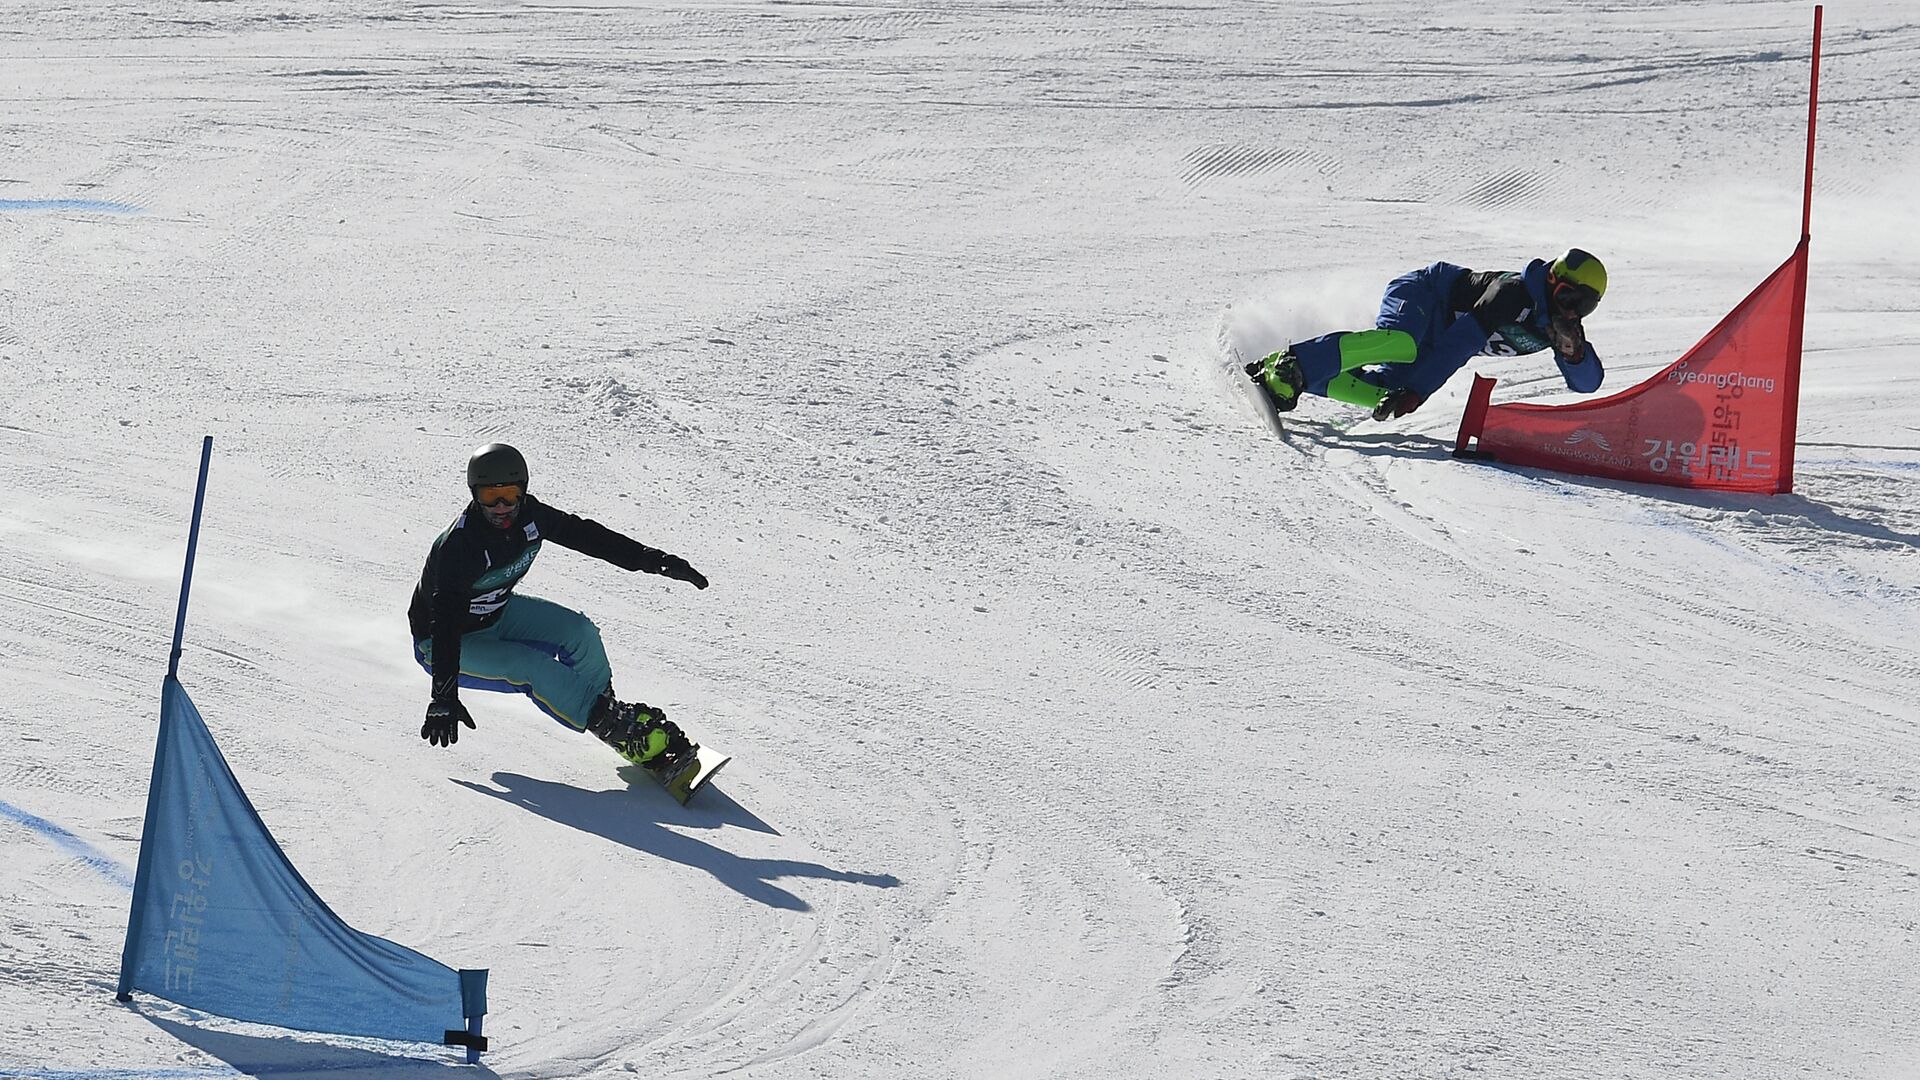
x: 222, y: 922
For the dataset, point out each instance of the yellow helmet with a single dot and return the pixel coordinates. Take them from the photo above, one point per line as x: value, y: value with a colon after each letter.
x: 1575, y: 282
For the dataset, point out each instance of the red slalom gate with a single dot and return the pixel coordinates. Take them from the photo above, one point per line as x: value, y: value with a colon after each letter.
x: 1722, y: 417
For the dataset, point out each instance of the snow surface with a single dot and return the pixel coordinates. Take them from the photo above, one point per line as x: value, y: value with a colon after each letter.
x: 1083, y: 728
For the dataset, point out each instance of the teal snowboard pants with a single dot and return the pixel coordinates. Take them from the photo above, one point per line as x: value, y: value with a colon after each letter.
x: 550, y: 653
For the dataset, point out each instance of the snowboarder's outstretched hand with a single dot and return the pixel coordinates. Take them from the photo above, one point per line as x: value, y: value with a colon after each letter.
x: 443, y: 722
x: 679, y: 569
x: 1398, y: 403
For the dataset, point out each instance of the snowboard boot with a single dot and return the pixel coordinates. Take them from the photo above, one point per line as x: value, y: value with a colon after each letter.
x: 640, y: 733
x: 1279, y: 379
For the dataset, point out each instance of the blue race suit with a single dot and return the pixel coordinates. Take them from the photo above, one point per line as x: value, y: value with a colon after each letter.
x: 1454, y: 314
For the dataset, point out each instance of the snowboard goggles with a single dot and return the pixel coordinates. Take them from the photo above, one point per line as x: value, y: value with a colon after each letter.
x: 1575, y: 299
x: 498, y: 494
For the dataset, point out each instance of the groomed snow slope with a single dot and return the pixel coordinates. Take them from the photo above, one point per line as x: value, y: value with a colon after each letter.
x: 1082, y: 727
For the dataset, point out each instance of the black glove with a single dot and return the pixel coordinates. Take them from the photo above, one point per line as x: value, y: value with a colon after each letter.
x: 679, y: 569
x: 1398, y: 403
x: 1569, y: 338
x: 443, y: 722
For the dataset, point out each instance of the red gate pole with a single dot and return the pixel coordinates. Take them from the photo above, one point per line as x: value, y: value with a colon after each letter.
x: 1796, y: 328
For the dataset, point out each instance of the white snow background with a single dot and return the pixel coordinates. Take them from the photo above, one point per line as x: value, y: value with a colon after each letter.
x: 1082, y: 728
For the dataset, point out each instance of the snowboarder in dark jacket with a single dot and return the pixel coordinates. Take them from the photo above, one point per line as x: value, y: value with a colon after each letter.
x: 1432, y: 321
x: 471, y: 629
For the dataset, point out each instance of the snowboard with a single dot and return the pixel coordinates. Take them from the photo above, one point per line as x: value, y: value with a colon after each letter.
x: 693, y: 776
x: 1262, y: 401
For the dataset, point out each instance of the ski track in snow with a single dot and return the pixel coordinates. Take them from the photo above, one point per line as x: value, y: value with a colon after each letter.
x: 1083, y: 726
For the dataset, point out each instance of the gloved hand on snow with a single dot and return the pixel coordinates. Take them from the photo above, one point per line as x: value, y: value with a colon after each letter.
x: 443, y: 722
x: 1398, y: 403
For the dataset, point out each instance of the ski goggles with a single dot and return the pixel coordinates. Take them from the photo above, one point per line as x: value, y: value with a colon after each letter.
x: 499, y: 494
x: 1575, y: 299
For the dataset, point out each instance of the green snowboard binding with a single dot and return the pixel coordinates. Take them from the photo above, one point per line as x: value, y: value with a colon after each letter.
x: 643, y: 735
x: 1277, y: 375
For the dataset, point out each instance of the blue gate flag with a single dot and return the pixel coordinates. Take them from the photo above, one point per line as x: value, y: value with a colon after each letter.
x: 223, y: 923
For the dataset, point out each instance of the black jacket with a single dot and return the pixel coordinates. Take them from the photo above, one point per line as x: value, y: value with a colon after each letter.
x: 473, y: 567
x: 1494, y: 298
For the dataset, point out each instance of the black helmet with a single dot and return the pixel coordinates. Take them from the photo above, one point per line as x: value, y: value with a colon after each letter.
x: 496, y: 463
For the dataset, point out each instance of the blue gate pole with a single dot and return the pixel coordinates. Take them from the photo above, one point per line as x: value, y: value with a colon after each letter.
x: 193, y: 541
x: 130, y: 951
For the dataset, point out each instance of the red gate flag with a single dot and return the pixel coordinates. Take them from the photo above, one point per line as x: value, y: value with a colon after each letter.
x: 1721, y: 417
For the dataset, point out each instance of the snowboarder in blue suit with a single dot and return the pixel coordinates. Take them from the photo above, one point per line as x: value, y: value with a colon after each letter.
x: 1432, y: 321
x: 471, y: 629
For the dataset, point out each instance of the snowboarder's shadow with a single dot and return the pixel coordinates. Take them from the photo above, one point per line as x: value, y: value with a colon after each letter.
x: 287, y: 1058
x: 1328, y: 435
x: 1395, y: 444
x: 623, y: 816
